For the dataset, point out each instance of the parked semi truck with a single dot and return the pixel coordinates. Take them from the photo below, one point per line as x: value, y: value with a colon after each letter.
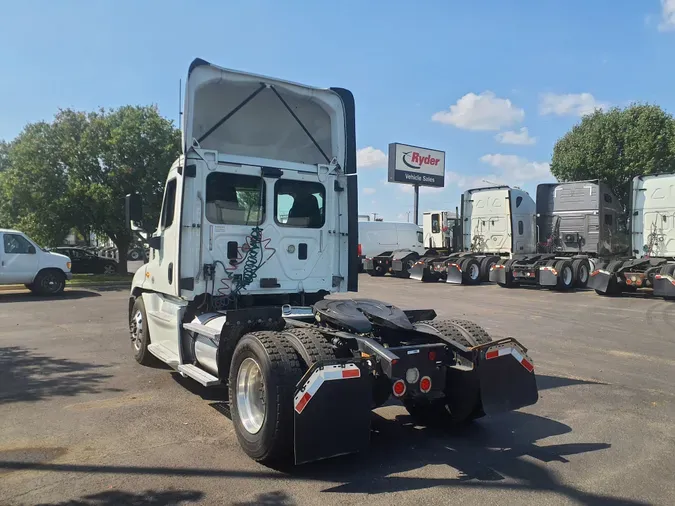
x: 652, y: 224
x: 258, y: 224
x: 494, y: 223
x: 579, y: 224
x: 439, y: 236
x: 387, y: 247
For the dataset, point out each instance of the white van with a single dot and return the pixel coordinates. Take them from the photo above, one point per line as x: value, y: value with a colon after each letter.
x: 23, y: 262
x: 376, y: 237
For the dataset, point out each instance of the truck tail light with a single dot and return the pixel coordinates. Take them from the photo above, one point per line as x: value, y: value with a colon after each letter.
x: 425, y: 384
x: 398, y: 388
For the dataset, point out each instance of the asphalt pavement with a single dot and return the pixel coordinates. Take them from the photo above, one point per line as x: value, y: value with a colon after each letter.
x: 83, y: 424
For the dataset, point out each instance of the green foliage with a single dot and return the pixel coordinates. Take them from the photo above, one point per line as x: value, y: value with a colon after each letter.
x: 75, y: 172
x: 616, y: 146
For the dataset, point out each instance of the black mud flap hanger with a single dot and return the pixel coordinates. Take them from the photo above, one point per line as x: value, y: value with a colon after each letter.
x: 506, y: 373
x: 332, y: 411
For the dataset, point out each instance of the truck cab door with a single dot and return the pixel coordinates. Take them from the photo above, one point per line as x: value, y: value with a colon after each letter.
x: 163, y: 273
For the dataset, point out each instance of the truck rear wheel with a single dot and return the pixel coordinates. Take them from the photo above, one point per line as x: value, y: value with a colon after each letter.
x: 485, y: 265
x: 461, y: 403
x: 471, y: 274
x: 565, y: 275
x: 265, y: 369
x: 310, y: 344
x: 581, y: 270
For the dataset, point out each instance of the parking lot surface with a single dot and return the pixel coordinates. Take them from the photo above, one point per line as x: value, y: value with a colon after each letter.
x: 83, y: 424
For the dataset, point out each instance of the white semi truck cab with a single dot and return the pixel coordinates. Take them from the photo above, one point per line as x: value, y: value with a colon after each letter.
x: 258, y: 224
x: 652, y: 224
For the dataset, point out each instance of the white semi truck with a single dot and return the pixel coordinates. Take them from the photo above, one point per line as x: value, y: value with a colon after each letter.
x: 258, y: 225
x: 495, y: 223
x: 652, y: 227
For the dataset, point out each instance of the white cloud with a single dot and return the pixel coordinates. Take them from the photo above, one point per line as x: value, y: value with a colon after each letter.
x: 667, y: 15
x: 481, y: 112
x: 368, y: 191
x: 520, y: 138
x: 569, y: 104
x: 370, y: 158
x: 517, y: 169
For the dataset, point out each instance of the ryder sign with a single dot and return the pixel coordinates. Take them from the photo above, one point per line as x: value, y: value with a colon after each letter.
x: 414, y: 165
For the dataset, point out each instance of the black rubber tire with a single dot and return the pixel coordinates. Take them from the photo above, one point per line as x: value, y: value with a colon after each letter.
x: 377, y: 272
x: 510, y: 283
x: 142, y: 354
x: 49, y: 282
x: 469, y: 265
x: 310, y: 344
x: 563, y: 266
x: 581, y: 270
x: 281, y: 370
x: 462, y: 402
x: 485, y: 264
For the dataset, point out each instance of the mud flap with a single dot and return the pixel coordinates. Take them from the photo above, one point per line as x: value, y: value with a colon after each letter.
x: 419, y: 271
x: 547, y: 278
x: 332, y: 411
x: 600, y: 280
x: 497, y: 275
x: 507, y: 380
x: 454, y: 274
x: 664, y: 286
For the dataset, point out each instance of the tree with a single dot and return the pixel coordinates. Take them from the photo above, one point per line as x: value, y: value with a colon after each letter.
x: 75, y: 172
x: 617, y: 145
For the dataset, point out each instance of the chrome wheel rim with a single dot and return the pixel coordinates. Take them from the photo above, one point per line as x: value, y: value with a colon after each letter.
x: 251, y: 396
x: 567, y: 276
x: 474, y: 271
x: 136, y: 328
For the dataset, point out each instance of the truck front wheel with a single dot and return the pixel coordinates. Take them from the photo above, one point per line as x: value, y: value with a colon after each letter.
x: 140, y: 335
x: 265, y: 369
x: 49, y: 282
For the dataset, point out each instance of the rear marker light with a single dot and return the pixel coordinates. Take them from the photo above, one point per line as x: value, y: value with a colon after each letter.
x: 432, y: 356
x: 425, y: 384
x: 399, y: 388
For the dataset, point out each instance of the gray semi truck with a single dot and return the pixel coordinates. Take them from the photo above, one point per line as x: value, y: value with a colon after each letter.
x: 651, y: 263
x: 579, y: 224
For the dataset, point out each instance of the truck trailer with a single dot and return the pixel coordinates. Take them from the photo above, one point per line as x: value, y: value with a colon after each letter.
x: 494, y: 223
x: 579, y: 224
x: 652, y: 224
x: 258, y: 225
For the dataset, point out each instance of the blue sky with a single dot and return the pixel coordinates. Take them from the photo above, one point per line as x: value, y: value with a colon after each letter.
x: 459, y: 76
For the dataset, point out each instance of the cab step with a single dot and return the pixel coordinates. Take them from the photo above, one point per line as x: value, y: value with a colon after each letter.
x: 202, y: 330
x: 199, y: 375
x: 164, y: 354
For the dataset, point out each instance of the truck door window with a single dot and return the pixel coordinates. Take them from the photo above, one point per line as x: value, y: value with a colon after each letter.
x: 169, y: 204
x: 520, y: 228
x: 435, y: 223
x: 608, y: 219
x: 16, y: 244
x: 420, y: 237
x: 519, y: 200
x: 235, y: 199
x: 299, y: 204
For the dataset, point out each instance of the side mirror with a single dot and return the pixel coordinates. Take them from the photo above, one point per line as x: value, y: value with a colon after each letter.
x: 133, y: 209
x: 31, y: 250
x: 155, y: 242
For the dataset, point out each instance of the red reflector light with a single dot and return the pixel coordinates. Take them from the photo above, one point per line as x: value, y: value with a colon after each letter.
x: 658, y: 276
x: 595, y: 273
x: 492, y: 354
x: 527, y: 365
x: 399, y: 388
x: 629, y: 282
x: 425, y: 384
x: 303, y: 402
x: 351, y: 373
x: 432, y: 356
x: 358, y: 249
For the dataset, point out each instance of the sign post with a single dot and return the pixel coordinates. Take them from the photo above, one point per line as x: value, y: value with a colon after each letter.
x: 416, y: 166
